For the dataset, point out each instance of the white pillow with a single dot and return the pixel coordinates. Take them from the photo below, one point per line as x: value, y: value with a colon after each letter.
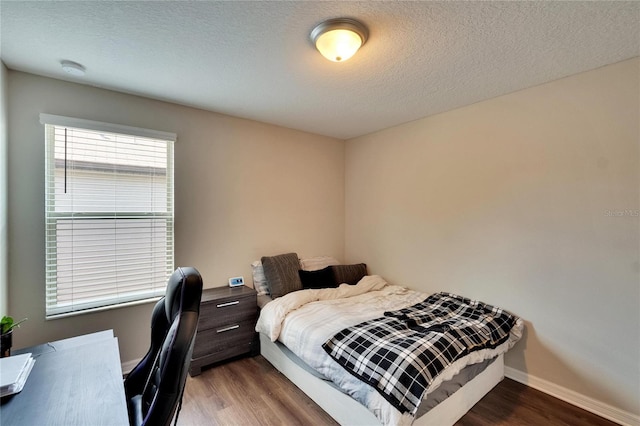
x: 317, y: 263
x: 259, y: 280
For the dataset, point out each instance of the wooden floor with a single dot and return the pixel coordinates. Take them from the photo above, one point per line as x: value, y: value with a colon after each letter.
x: 249, y: 391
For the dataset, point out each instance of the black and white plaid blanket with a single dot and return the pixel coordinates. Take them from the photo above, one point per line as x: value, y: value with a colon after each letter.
x: 401, y: 353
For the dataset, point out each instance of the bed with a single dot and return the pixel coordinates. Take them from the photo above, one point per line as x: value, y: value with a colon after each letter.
x: 298, y: 327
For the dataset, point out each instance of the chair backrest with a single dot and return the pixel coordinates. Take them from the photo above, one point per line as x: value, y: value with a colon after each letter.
x: 155, y: 386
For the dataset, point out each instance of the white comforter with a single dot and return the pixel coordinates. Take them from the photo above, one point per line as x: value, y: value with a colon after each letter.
x: 304, y: 320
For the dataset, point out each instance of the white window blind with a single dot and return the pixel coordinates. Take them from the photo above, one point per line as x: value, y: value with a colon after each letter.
x: 109, y: 214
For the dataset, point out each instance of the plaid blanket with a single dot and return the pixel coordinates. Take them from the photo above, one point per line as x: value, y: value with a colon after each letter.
x: 401, y: 353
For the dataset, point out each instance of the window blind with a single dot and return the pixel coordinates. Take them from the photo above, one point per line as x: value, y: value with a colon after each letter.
x: 108, y: 212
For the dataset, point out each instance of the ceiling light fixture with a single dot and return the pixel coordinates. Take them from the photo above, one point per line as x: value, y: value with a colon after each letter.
x: 72, y: 68
x: 339, y: 39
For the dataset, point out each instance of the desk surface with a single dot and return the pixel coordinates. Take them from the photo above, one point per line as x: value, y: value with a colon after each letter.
x: 74, y: 381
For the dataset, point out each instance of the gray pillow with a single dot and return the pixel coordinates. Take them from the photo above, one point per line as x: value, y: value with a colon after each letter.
x: 349, y: 274
x: 281, y: 272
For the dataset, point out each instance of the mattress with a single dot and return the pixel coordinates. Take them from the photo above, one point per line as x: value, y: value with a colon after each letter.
x: 444, y: 391
x: 304, y: 320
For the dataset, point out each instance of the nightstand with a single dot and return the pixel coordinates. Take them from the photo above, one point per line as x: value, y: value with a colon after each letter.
x: 226, y: 327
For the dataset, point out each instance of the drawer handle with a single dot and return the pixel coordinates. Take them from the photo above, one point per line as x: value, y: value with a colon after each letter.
x: 233, y: 327
x: 222, y: 305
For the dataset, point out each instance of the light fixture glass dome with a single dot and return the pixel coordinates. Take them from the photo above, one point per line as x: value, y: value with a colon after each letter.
x: 339, y: 39
x: 338, y: 45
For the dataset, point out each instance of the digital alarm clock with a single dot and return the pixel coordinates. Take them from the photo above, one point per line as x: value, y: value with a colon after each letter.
x: 236, y: 281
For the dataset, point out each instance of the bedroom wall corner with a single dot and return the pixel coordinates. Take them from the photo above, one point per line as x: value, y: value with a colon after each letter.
x: 243, y: 189
x: 4, y: 189
x: 530, y: 201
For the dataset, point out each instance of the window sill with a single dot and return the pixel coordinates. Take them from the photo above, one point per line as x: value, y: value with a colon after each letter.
x: 103, y: 308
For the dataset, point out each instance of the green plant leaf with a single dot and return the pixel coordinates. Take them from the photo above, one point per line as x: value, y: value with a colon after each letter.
x: 7, y: 324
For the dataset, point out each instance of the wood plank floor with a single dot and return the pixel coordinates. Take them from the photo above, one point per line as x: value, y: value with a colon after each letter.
x: 250, y: 391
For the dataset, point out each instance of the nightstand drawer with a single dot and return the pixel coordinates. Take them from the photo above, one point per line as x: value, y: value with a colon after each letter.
x: 227, y: 310
x: 219, y: 338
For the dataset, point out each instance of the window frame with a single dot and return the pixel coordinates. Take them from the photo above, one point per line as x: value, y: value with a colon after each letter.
x: 52, y: 217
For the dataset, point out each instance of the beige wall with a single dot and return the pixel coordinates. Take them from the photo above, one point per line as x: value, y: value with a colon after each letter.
x: 4, y: 238
x: 529, y: 201
x: 514, y: 201
x: 243, y: 189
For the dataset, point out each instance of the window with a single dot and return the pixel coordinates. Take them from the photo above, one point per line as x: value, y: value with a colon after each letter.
x: 108, y: 213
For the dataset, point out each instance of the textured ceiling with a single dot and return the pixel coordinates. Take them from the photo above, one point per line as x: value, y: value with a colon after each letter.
x: 255, y: 60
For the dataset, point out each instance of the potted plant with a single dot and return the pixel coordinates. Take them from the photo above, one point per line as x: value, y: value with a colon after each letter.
x: 7, y: 324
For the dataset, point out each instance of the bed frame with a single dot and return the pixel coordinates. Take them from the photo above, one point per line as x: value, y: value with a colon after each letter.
x: 347, y: 411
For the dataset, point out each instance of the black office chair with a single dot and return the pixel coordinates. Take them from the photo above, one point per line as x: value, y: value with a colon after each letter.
x: 154, y: 387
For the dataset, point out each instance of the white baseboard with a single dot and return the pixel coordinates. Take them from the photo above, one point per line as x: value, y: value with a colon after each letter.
x: 574, y: 398
x: 129, y: 365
